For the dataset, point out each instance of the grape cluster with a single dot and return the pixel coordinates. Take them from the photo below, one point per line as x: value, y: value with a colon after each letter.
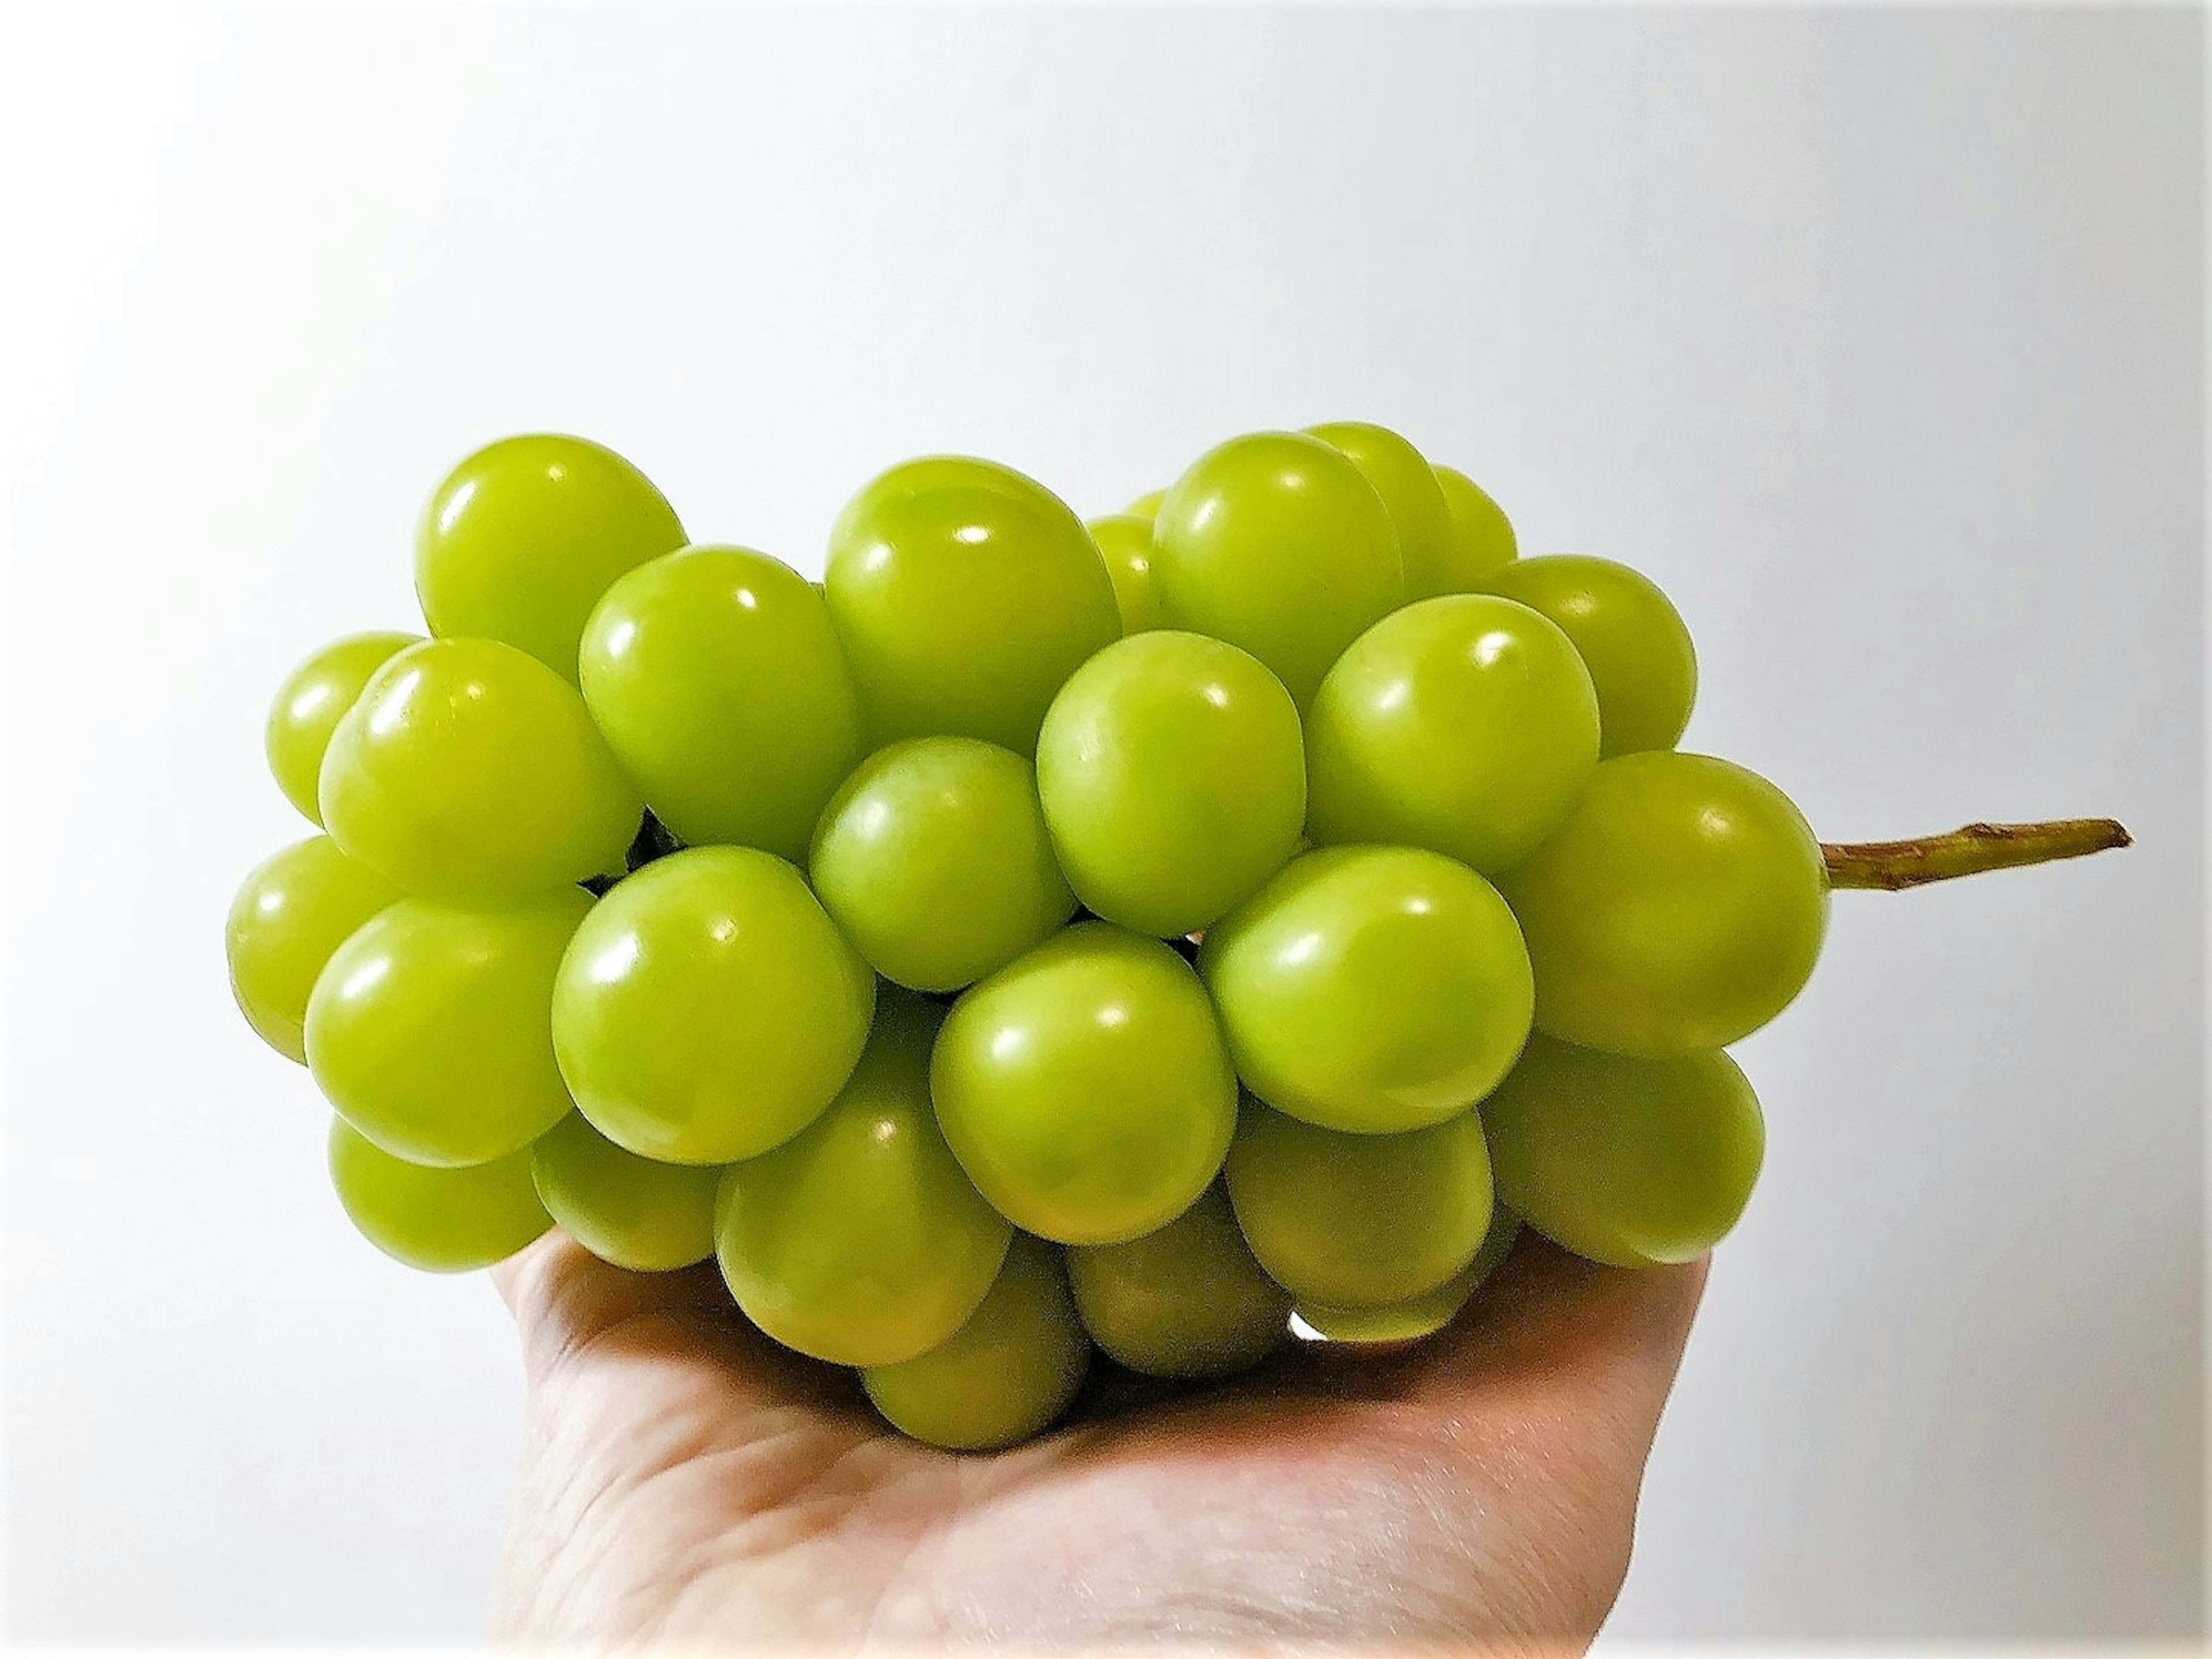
x: 1038, y: 936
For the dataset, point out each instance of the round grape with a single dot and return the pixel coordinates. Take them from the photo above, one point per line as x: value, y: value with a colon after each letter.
x: 442, y: 1221
x: 1629, y: 634
x: 290, y: 915
x: 1174, y: 779
x: 1125, y: 542
x: 708, y: 1010
x: 1465, y: 724
x: 1186, y: 1301
x: 1085, y: 1089
x: 310, y: 703
x: 1147, y: 505
x: 934, y: 859
x: 1626, y: 1161
x: 720, y: 685
x: 1277, y: 543
x: 523, y: 536
x: 1371, y: 989
x: 467, y: 770
x: 648, y: 1217
x: 1481, y: 537
x: 1421, y: 1315
x: 1680, y: 907
x: 1411, y: 493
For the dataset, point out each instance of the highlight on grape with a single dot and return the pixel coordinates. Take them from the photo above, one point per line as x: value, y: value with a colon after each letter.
x: 1260, y: 905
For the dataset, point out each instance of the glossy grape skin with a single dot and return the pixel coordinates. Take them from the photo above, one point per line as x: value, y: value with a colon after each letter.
x: 1005, y: 1374
x: 860, y: 1240
x: 1629, y: 634
x: 1277, y: 543
x: 720, y: 685
x: 1173, y: 777
x: 1410, y: 491
x: 1359, y: 1220
x: 1125, y: 542
x: 442, y: 1221
x: 1465, y: 724
x: 934, y: 859
x: 648, y: 1216
x: 1186, y: 1301
x: 1084, y: 1088
x: 468, y: 771
x: 1680, y: 907
x: 522, y: 537
x: 310, y: 703
x: 1421, y: 1315
x: 1147, y: 505
x: 428, y: 1031
x: 1481, y: 539
x: 291, y: 913
x: 964, y: 593
x: 708, y: 1009
x: 1371, y: 989
x: 1627, y: 1162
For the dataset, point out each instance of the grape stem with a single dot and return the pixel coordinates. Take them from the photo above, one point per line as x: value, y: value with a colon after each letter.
x: 1892, y: 865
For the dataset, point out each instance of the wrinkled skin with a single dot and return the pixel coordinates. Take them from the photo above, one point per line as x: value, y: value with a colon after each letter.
x: 684, y: 1482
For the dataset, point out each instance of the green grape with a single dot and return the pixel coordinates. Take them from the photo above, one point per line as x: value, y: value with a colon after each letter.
x: 292, y: 913
x: 1680, y: 907
x: 934, y: 859
x: 309, y: 705
x: 860, y: 1240
x: 1359, y: 1220
x: 964, y: 594
x: 1421, y: 1315
x: 522, y: 537
x: 1629, y: 634
x: 1464, y: 724
x: 1004, y: 1374
x: 720, y: 685
x: 1084, y: 1088
x: 443, y: 1221
x: 708, y: 1009
x: 467, y: 770
x: 1277, y: 543
x: 1147, y: 505
x: 1371, y: 989
x: 1174, y: 779
x: 1186, y: 1301
x: 1125, y: 542
x: 428, y: 1030
x: 1481, y: 539
x: 1626, y: 1161
x: 1410, y: 490
x: 648, y: 1216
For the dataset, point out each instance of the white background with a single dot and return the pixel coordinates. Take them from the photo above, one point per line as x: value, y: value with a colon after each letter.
x: 1875, y: 336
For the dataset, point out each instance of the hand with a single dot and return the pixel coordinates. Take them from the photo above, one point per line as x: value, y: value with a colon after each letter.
x: 686, y: 1481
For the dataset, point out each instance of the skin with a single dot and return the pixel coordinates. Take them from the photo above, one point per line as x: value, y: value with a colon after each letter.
x: 686, y: 1483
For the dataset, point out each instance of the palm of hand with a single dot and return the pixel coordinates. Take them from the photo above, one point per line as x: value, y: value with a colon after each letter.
x: 685, y: 1480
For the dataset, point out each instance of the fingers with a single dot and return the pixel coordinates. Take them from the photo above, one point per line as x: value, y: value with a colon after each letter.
x: 563, y: 1298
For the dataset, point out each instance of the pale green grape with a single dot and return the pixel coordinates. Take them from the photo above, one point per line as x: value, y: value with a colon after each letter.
x: 1680, y: 907
x: 1629, y: 634
x: 1421, y: 1315
x: 1084, y: 1088
x: 468, y: 771
x: 1371, y: 989
x: 1359, y: 1220
x: 1277, y: 543
x: 290, y: 915
x: 1174, y: 779
x: 1626, y: 1161
x: 964, y: 593
x: 1004, y: 1374
x: 708, y: 1010
x: 1481, y: 538
x: 1147, y: 504
x: 1410, y: 490
x: 522, y: 537
x: 935, y: 861
x: 309, y: 704
x: 1465, y: 724
x: 1186, y: 1301
x: 1125, y: 542
x: 637, y: 1213
x: 860, y: 1240
x: 720, y: 685
x: 428, y: 1031
x: 443, y: 1221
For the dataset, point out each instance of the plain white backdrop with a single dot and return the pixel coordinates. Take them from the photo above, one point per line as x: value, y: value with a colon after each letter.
x: 1876, y: 336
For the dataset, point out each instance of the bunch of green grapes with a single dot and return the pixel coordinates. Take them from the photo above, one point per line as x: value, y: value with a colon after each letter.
x: 1039, y: 939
